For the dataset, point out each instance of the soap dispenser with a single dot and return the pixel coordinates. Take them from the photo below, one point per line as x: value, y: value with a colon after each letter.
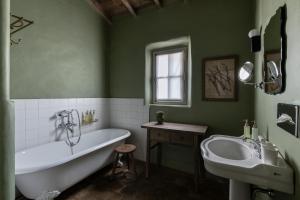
x: 254, y: 131
x: 247, y: 130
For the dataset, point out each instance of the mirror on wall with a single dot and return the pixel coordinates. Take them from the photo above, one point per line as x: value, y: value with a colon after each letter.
x: 275, y: 53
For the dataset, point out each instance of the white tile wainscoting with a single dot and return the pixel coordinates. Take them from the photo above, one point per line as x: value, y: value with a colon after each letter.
x: 130, y: 114
x: 34, y: 124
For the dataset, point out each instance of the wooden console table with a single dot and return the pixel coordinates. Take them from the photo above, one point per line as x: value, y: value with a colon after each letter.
x: 174, y: 133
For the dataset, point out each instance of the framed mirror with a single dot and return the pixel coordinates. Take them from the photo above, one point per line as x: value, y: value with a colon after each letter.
x: 275, y: 53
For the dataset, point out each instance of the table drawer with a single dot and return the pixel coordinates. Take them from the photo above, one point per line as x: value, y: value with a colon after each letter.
x: 160, y: 136
x: 182, y: 139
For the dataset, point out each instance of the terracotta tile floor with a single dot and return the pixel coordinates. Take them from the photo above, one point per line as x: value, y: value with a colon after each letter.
x: 164, y: 184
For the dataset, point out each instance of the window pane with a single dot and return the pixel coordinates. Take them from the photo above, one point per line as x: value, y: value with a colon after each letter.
x: 175, y: 88
x: 176, y: 64
x: 162, y: 89
x: 162, y: 65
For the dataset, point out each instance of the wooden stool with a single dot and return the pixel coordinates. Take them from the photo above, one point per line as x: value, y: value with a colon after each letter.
x: 125, y: 149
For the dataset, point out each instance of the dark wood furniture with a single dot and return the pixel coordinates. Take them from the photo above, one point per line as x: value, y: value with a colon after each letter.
x: 127, y: 150
x: 183, y: 134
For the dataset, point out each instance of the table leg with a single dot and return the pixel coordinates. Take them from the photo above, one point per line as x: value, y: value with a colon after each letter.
x: 128, y: 161
x: 115, y: 164
x: 148, y: 154
x: 131, y: 158
x: 197, y: 161
x: 159, y: 154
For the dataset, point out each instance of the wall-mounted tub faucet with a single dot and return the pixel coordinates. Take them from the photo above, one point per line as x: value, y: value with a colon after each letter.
x: 65, y: 122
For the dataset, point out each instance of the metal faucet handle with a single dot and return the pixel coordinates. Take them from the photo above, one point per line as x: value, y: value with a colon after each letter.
x: 256, y: 145
x: 71, y: 124
x: 244, y: 138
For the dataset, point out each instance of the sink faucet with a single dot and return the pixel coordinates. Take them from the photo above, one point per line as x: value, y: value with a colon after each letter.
x: 256, y: 145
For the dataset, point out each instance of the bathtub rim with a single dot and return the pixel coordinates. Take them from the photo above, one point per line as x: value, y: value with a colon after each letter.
x: 37, y: 168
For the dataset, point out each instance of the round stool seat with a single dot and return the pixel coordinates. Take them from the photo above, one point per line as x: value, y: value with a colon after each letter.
x: 125, y: 148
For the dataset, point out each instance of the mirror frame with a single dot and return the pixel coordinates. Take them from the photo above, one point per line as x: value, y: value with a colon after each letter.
x: 283, y: 51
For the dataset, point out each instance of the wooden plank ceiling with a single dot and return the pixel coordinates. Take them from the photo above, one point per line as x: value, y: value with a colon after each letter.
x: 110, y: 8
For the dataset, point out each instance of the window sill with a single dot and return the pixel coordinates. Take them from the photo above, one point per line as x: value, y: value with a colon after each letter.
x: 171, y: 105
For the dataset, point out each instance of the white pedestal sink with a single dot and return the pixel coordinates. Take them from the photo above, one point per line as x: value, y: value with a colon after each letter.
x: 237, y: 160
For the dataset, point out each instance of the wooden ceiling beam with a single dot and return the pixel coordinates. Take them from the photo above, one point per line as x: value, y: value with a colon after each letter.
x: 157, y: 2
x: 98, y: 7
x: 129, y: 7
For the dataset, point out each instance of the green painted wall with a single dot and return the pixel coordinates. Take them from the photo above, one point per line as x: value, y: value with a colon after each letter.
x: 217, y: 28
x: 62, y: 54
x: 7, y: 177
x: 266, y: 105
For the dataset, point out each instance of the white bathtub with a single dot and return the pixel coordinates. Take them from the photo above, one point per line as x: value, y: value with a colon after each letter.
x: 52, y: 167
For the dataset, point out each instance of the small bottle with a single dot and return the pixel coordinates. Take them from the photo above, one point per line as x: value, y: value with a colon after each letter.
x: 90, y: 117
x: 93, y: 116
x: 254, y: 131
x: 86, y: 117
x: 82, y: 119
x: 247, y: 130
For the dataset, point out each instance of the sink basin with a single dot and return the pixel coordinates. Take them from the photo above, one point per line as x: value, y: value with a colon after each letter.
x: 229, y: 149
x: 237, y: 160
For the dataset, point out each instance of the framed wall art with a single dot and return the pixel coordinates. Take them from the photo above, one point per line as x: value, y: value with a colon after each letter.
x: 219, y: 78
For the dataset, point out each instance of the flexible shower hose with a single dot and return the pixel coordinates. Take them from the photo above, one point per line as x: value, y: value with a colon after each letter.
x: 69, y: 125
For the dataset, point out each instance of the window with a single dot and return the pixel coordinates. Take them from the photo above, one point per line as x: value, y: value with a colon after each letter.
x: 169, y: 75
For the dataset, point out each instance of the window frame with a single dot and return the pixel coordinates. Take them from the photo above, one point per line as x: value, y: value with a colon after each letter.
x: 184, y: 88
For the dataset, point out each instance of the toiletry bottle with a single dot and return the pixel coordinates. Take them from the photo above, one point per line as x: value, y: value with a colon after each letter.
x: 254, y: 131
x: 247, y: 130
x: 90, y: 117
x: 82, y: 119
x: 93, y: 116
x: 86, y: 117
